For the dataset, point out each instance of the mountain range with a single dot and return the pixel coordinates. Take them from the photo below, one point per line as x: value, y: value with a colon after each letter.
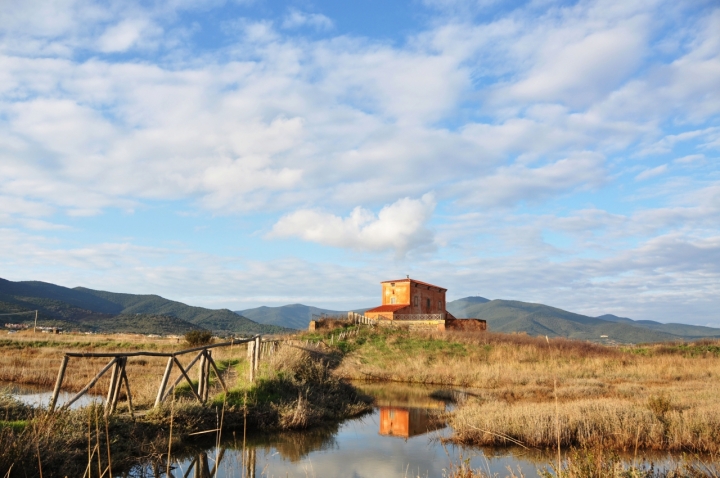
x: 539, y: 319
x: 85, y: 309
x: 516, y: 316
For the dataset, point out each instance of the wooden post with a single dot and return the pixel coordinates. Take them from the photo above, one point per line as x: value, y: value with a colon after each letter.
x: 35, y: 327
x: 58, y: 382
x: 201, y: 377
x: 113, y: 384
x: 129, y: 395
x: 116, y: 395
x: 208, y: 360
x: 163, y: 384
x: 257, y: 353
x: 251, y: 360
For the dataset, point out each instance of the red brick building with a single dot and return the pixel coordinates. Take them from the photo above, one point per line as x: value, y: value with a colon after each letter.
x: 414, y: 303
x: 407, y: 299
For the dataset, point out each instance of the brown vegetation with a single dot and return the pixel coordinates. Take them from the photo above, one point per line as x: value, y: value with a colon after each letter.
x: 521, y: 388
x: 294, y: 389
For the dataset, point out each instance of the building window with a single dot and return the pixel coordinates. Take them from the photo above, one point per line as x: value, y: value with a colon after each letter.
x: 439, y: 304
x: 392, y: 300
x: 416, y: 302
x: 428, y: 303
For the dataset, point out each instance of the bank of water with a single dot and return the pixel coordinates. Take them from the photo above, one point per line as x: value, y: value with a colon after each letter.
x: 402, y: 437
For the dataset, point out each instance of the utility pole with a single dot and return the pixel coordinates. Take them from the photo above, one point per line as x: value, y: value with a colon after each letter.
x: 35, y: 327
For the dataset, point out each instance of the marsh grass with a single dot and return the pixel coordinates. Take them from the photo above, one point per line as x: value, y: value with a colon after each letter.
x: 295, y: 390
x: 664, y: 397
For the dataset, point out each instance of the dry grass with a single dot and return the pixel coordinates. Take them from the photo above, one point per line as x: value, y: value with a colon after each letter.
x: 658, y: 396
x: 34, y: 359
x: 294, y: 389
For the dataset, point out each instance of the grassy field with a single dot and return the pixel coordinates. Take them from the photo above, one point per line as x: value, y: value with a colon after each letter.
x: 526, y: 391
x: 510, y: 389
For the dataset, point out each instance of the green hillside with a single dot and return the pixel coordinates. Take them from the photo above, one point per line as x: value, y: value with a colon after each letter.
x: 681, y: 330
x: 92, y: 310
x: 539, y: 319
x: 294, y: 316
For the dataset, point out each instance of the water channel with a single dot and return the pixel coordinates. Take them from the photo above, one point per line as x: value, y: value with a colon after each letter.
x: 401, y: 438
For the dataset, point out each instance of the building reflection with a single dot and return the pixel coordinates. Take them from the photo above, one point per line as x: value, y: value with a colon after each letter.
x: 406, y: 422
x: 406, y: 411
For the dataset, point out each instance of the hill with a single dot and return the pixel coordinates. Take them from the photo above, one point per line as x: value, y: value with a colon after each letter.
x: 294, y: 316
x: 681, y: 330
x: 539, y: 319
x: 99, y: 311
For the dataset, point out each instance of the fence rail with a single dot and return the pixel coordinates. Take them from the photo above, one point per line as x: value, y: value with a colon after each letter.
x: 256, y: 347
x: 361, y: 319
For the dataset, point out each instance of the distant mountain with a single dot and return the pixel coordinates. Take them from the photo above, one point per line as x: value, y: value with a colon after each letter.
x: 539, y: 319
x: 294, y: 316
x: 681, y: 330
x: 93, y: 310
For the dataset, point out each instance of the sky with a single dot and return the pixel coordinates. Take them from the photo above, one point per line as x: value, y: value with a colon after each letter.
x: 260, y: 152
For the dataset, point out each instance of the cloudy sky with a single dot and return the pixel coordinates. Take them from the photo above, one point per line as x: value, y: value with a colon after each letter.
x: 246, y: 152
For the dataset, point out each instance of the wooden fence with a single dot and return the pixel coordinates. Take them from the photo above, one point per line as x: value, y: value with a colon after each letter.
x: 118, y: 378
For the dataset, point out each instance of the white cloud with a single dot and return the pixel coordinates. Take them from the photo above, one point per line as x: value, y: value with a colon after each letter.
x: 296, y: 19
x: 691, y: 158
x: 537, y: 108
x: 652, y: 172
x: 125, y: 35
x: 516, y: 183
x: 400, y: 226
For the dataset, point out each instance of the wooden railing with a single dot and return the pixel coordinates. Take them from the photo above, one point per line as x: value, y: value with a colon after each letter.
x: 119, y: 377
x: 361, y: 319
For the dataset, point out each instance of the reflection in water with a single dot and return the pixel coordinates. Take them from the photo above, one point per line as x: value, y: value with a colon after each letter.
x: 406, y: 411
x: 408, y: 422
x: 362, y: 447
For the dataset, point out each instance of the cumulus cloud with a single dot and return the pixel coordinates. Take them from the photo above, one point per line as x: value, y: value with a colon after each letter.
x: 517, y: 119
x: 401, y: 226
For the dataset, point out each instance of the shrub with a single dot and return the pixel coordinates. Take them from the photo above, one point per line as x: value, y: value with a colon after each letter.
x: 195, y: 338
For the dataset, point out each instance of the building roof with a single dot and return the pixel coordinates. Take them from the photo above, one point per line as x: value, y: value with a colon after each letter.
x: 416, y: 281
x: 388, y: 308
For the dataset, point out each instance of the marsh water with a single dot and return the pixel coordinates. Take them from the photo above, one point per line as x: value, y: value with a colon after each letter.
x: 400, y: 438
x: 37, y: 396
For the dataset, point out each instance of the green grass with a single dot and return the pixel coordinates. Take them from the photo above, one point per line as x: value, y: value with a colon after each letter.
x: 16, y: 425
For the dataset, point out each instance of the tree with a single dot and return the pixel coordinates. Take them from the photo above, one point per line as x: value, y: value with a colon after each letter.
x: 195, y: 338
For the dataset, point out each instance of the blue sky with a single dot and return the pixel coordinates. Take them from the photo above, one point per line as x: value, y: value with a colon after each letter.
x: 241, y: 153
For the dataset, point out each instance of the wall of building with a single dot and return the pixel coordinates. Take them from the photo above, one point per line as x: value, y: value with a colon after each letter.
x: 399, y: 291
x: 422, y: 299
x: 467, y: 325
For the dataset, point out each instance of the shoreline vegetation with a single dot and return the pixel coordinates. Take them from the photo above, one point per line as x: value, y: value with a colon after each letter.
x: 510, y: 390
x: 294, y: 389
